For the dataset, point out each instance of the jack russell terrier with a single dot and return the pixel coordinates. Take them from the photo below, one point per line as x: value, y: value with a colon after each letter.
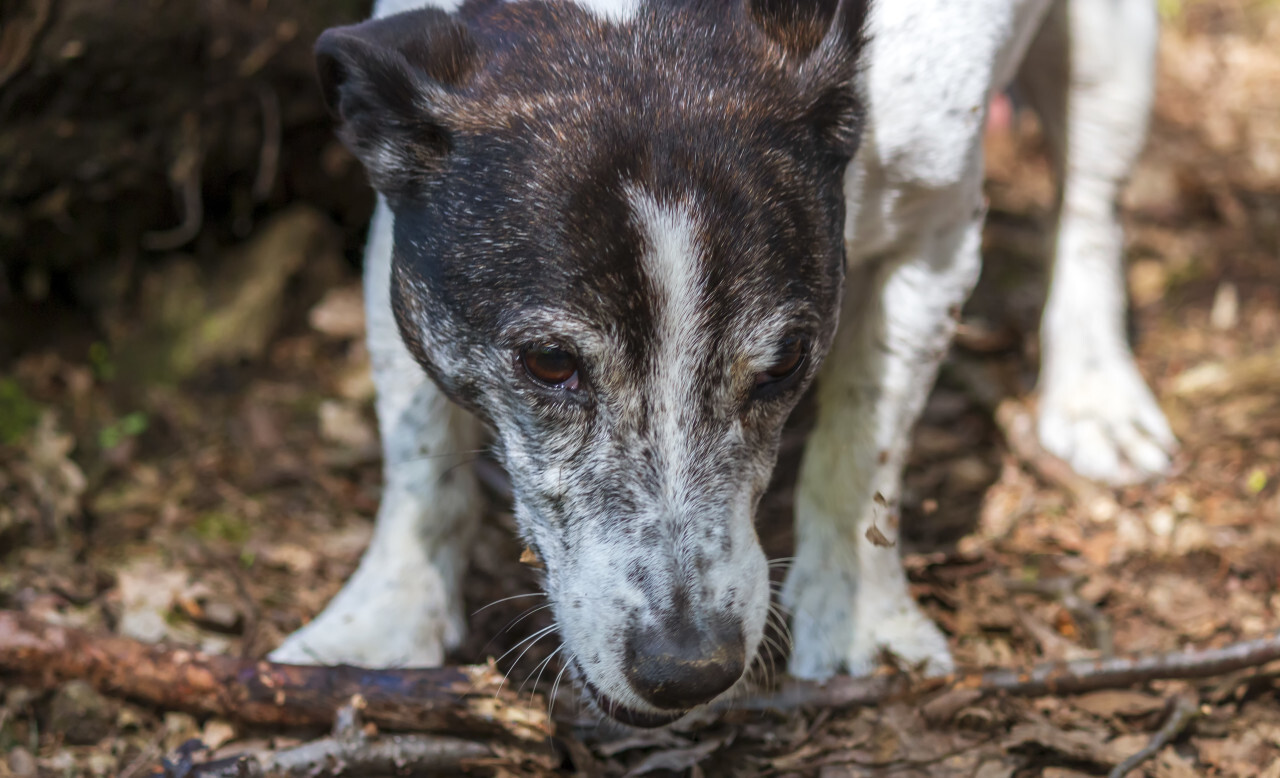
x: 624, y: 236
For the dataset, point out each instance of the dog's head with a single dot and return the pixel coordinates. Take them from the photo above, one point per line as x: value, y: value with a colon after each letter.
x: 620, y: 242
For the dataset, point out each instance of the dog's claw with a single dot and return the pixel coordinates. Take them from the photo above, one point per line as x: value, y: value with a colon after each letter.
x: 1107, y: 425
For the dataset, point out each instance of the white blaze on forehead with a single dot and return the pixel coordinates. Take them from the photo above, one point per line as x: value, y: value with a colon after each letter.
x: 672, y: 262
x: 383, y: 8
x: 609, y: 10
x: 618, y: 11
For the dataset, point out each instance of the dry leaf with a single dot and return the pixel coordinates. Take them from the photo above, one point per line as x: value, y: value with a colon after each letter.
x: 527, y: 557
x: 1118, y: 702
x: 340, y: 313
x: 877, y: 538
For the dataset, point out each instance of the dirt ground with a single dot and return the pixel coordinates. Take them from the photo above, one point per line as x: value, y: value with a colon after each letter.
x: 224, y: 506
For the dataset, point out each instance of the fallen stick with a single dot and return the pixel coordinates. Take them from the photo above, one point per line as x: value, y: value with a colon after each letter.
x: 466, y: 699
x: 471, y: 698
x: 1185, y: 709
x: 1052, y: 678
x: 387, y: 755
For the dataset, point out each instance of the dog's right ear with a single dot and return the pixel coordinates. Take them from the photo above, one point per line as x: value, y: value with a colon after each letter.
x: 390, y: 83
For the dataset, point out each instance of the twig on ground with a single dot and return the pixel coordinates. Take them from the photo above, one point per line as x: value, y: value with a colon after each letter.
x: 351, y: 751
x: 1185, y: 709
x: 1063, y: 589
x: 186, y: 176
x: 470, y: 698
x: 1076, y: 677
x: 19, y: 36
x: 465, y: 699
x: 1052, y: 644
x: 269, y: 153
x: 146, y: 756
x: 387, y: 755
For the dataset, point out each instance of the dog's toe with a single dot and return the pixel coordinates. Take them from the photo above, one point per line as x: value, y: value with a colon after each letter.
x: 367, y: 637
x: 834, y: 633
x: 378, y: 622
x: 903, y: 631
x: 1107, y: 425
x: 913, y: 640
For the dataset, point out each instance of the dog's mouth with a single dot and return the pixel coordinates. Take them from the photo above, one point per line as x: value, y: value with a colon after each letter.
x: 625, y: 715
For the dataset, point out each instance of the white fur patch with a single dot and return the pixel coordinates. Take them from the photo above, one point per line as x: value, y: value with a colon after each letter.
x: 617, y: 11
x: 672, y: 264
x: 383, y: 8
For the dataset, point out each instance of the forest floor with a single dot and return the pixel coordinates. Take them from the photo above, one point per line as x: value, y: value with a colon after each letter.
x: 225, y: 509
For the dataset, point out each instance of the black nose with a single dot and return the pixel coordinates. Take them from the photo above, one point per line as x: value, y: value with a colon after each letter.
x: 684, y: 665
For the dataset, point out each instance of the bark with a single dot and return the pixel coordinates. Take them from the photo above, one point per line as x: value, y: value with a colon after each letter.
x: 391, y: 755
x: 467, y: 699
x: 1052, y: 678
x: 473, y: 698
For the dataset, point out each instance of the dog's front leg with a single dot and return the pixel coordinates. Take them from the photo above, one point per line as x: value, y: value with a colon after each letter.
x: 847, y: 590
x: 403, y: 605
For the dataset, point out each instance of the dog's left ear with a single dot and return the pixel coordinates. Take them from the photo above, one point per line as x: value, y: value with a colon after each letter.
x: 823, y: 42
x: 392, y: 83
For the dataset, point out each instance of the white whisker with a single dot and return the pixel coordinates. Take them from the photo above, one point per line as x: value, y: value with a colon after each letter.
x: 509, y: 599
x: 555, y: 687
x: 531, y: 640
x: 543, y: 667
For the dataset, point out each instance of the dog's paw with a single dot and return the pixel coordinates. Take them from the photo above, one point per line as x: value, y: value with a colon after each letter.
x: 897, y: 626
x: 837, y: 627
x: 378, y: 621
x: 1106, y: 423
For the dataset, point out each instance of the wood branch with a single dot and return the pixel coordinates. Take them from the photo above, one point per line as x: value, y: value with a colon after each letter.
x: 466, y: 699
x: 390, y: 755
x: 1052, y: 678
x: 471, y: 698
x: 1185, y: 709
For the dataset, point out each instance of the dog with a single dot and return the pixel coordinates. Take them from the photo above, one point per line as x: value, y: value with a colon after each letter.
x: 625, y: 236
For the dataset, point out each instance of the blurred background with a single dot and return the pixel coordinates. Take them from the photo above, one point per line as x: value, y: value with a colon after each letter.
x: 188, y: 450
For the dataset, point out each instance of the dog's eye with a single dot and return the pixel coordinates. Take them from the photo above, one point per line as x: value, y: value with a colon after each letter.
x: 787, y: 362
x: 550, y: 365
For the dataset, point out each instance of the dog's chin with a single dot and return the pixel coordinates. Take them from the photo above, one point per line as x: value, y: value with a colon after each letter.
x: 629, y: 716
